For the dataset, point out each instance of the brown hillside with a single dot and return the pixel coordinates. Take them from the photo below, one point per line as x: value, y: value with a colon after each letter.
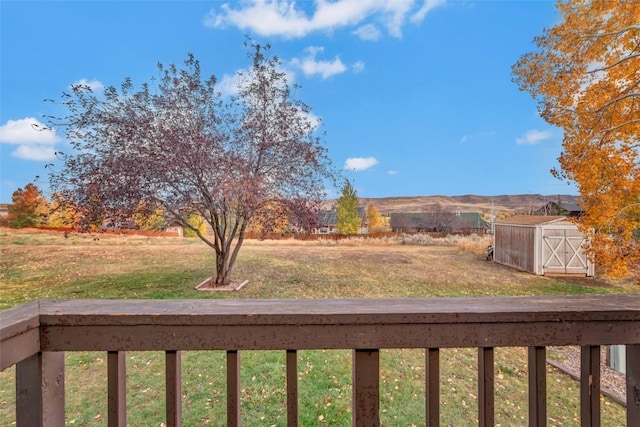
x: 465, y: 203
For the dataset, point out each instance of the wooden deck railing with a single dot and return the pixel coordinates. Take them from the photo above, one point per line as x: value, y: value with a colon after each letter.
x: 35, y: 335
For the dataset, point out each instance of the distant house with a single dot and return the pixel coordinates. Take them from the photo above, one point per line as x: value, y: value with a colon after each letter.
x: 115, y: 224
x: 328, y: 222
x: 175, y: 227
x: 569, y: 209
x: 4, y: 214
x: 445, y: 222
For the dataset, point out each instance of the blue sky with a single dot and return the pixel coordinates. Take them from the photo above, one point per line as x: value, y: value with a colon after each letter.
x: 416, y: 97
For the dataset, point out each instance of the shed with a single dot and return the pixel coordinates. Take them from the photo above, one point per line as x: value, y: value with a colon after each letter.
x: 542, y: 245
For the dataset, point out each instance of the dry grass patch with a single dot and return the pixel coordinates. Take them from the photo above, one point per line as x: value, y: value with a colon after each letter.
x: 48, y: 265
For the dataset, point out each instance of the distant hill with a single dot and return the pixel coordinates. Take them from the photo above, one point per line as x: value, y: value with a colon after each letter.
x: 466, y: 203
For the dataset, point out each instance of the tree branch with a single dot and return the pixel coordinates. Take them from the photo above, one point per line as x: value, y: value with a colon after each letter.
x: 616, y: 100
x: 614, y: 128
x: 618, y: 62
x: 618, y: 32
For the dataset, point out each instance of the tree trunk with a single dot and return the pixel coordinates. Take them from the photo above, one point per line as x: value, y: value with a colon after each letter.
x: 221, y: 268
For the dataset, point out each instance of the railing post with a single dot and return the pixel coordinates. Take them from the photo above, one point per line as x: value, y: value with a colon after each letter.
x: 537, y: 386
x: 292, y: 388
x: 117, y: 389
x: 233, y: 388
x: 590, y: 386
x: 485, y: 387
x: 432, y: 387
x: 633, y: 384
x: 173, y: 386
x: 366, y: 388
x: 40, y: 390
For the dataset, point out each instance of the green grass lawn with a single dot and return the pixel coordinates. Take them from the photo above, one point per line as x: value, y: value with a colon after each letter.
x: 48, y: 265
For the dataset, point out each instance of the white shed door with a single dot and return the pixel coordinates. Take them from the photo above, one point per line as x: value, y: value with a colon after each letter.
x: 562, y: 252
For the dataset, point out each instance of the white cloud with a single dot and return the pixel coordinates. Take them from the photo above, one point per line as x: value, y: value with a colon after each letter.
x: 34, y: 152
x: 395, y: 16
x: 34, y: 140
x: 313, y: 119
x: 392, y: 173
x: 358, y: 67
x: 228, y: 85
x: 360, y: 163
x: 427, y: 6
x: 267, y: 18
x: 533, y: 137
x: 283, y: 18
x: 310, y: 66
x: 483, y: 134
x: 94, y: 84
x: 27, y: 131
x: 368, y: 32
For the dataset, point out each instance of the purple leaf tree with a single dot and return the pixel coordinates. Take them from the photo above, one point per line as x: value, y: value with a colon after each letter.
x: 178, y: 144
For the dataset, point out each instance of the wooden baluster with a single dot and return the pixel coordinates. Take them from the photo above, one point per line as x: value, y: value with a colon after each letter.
x: 537, y: 386
x: 116, y: 389
x: 485, y: 387
x: 432, y: 387
x: 40, y: 390
x: 233, y: 388
x: 292, y: 388
x: 633, y: 384
x: 173, y: 380
x: 590, y: 386
x: 366, y: 388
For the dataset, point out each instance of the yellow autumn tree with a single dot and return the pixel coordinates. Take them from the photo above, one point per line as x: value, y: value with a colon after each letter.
x: 374, y: 218
x: 62, y: 214
x: 347, y: 206
x: 197, y: 224
x: 585, y: 77
x: 149, y: 216
x: 272, y: 218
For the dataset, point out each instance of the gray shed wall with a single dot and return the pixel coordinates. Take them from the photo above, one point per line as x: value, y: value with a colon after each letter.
x: 514, y: 246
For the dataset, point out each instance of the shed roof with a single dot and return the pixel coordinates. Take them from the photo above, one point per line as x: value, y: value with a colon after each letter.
x: 531, y: 220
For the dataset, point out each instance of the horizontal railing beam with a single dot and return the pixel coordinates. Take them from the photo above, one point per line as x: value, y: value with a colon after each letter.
x: 19, y: 334
x: 332, y: 324
x: 340, y: 311
x: 304, y: 336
